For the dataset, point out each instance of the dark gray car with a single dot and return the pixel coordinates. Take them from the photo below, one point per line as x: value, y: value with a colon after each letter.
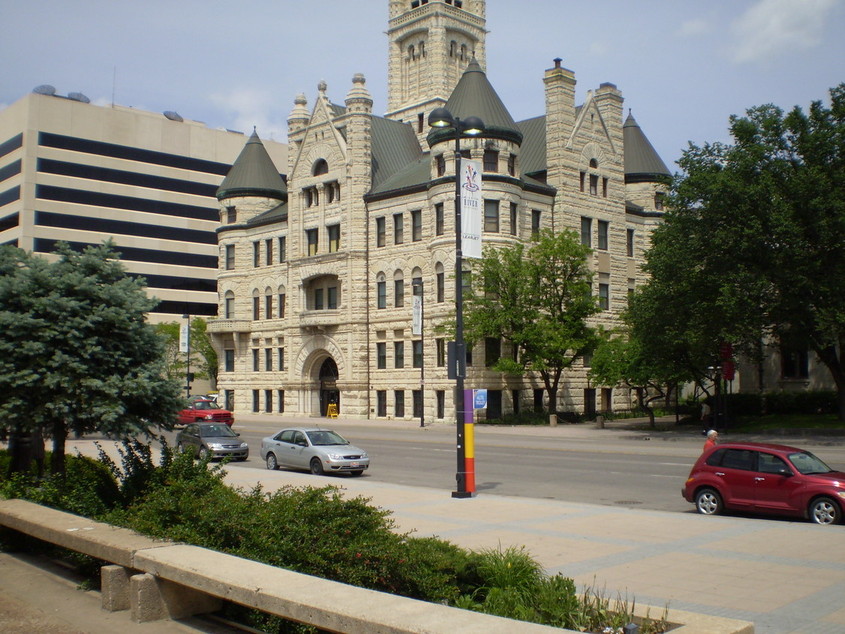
x: 215, y: 439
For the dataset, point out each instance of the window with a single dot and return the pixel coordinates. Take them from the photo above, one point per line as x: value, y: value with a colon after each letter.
x: 229, y: 305
x: 658, y: 201
x: 440, y: 347
x: 795, y: 364
x: 256, y: 365
x: 280, y: 397
x: 535, y: 223
x: 587, y: 231
x: 417, y: 353
x: 441, y: 284
x: 491, y: 216
x: 282, y: 305
x: 399, y: 403
x: 582, y: 178
x: 514, y: 218
x: 268, y: 252
x: 440, y: 164
x: 629, y: 242
x: 381, y: 403
x: 312, y: 196
x: 318, y: 299
x: 311, y: 238
x: 594, y: 184
x: 398, y: 290
x: 603, y: 231
x: 256, y: 253
x: 320, y: 167
x: 398, y: 229
x: 398, y: 354
x: 468, y: 354
x: 738, y: 459
x: 283, y: 249
x: 332, y: 191
x: 604, y: 296
x: 331, y: 297
x: 767, y: 463
x: 334, y: 238
x: 280, y: 354
x: 230, y: 257
x: 441, y: 403
x: 231, y: 215
x: 380, y: 232
x: 604, y: 187
x: 229, y: 360
x: 491, y: 161
x: 417, y: 403
x: 438, y: 219
x: 492, y: 350
x: 416, y: 225
x: 512, y: 165
x: 381, y: 293
x: 268, y: 305
x: 256, y: 401
x: 268, y: 359
x: 256, y: 306
x: 381, y: 355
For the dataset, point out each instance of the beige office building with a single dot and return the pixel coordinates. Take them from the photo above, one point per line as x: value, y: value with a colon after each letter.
x: 74, y: 171
x: 319, y: 271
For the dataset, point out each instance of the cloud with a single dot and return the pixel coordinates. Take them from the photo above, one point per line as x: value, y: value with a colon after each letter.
x: 773, y: 28
x: 696, y: 26
x: 258, y: 108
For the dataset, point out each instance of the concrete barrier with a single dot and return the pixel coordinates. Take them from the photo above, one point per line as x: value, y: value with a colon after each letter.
x: 158, y: 579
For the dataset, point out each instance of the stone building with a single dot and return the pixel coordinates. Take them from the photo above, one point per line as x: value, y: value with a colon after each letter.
x: 318, y: 270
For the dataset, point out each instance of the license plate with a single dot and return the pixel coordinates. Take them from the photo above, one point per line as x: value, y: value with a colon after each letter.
x: 354, y: 464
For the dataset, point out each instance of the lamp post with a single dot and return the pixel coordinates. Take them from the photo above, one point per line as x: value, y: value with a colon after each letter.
x: 185, y: 346
x: 465, y: 477
x: 417, y: 284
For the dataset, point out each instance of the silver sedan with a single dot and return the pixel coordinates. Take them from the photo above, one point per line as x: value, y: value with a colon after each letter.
x: 314, y: 449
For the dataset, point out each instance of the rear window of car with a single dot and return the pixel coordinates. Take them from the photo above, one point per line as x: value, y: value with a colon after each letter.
x: 732, y: 459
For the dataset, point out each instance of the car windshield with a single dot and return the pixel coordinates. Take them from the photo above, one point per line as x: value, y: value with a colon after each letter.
x: 807, y: 463
x: 326, y: 437
x: 206, y: 405
x: 216, y: 431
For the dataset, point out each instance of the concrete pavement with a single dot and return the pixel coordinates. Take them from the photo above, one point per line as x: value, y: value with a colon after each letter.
x: 785, y: 576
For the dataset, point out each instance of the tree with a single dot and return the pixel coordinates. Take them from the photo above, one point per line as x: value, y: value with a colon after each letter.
x: 203, y: 355
x: 753, y: 248
x: 77, y: 355
x: 537, y: 299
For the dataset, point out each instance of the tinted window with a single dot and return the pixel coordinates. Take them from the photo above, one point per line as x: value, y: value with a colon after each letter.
x: 715, y: 458
x: 768, y: 463
x: 739, y: 459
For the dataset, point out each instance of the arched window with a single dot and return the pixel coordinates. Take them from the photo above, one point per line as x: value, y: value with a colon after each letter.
x: 440, y: 282
x: 594, y: 163
x: 398, y: 289
x: 229, y: 305
x: 268, y: 303
x: 411, y: 54
x: 381, y: 290
x: 256, y: 305
x: 282, y: 302
x: 453, y: 48
x: 320, y: 167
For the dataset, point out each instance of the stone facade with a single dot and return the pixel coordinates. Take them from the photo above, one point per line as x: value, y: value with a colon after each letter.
x: 317, y: 281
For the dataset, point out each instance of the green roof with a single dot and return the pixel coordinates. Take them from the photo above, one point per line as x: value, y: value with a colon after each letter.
x: 642, y: 163
x: 253, y: 174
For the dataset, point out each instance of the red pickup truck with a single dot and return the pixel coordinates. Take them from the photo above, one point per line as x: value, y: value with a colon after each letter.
x: 202, y: 411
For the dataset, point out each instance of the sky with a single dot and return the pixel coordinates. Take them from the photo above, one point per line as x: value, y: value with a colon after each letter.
x: 683, y: 66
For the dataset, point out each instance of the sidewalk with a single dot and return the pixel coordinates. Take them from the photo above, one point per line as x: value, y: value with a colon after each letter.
x: 784, y: 576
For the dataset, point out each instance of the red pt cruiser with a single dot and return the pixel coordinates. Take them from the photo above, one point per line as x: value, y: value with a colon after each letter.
x: 764, y: 478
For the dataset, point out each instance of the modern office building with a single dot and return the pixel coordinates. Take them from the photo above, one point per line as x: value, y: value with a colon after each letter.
x: 74, y: 171
x: 319, y: 271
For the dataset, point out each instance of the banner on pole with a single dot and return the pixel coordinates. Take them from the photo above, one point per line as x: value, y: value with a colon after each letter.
x: 480, y: 399
x: 416, y: 320
x: 471, y: 208
x: 184, y: 336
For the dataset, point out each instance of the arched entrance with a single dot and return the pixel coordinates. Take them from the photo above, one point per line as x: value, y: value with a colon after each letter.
x: 328, y: 386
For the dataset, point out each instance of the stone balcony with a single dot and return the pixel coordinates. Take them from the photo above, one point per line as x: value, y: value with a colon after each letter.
x: 319, y: 319
x: 221, y: 326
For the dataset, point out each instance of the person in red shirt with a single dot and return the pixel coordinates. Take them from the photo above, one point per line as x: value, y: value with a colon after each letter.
x: 712, y: 439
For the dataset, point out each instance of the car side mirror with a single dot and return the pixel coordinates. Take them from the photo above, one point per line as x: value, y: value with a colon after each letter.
x: 785, y: 472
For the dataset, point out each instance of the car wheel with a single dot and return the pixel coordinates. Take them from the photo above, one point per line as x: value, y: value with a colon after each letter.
x: 316, y: 466
x: 272, y: 465
x: 357, y: 472
x: 824, y: 511
x: 708, y: 502
x: 203, y: 453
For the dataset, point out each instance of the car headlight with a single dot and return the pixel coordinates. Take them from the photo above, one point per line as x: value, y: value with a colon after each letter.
x: 244, y: 445
x: 335, y: 456
x: 215, y: 445
x: 364, y: 454
x: 209, y: 416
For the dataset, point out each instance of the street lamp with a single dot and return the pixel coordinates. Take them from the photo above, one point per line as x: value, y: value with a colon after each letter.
x: 465, y: 477
x: 185, y: 346
x: 419, y: 329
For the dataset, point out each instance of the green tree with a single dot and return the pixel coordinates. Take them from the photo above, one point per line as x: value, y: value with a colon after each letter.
x: 203, y: 355
x: 536, y: 298
x: 77, y: 355
x: 753, y: 248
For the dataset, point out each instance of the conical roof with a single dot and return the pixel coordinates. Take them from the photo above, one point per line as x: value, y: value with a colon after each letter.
x: 475, y: 96
x: 253, y: 174
x: 642, y: 163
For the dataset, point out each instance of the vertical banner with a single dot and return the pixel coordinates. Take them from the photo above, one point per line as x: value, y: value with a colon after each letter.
x: 471, y: 208
x: 416, y: 320
x: 184, y: 337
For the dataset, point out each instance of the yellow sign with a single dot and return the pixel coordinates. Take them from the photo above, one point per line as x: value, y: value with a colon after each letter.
x: 331, y: 410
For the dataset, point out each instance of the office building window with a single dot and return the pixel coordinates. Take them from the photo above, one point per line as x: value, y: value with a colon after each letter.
x: 440, y: 395
x: 492, y: 350
x: 658, y: 201
x: 398, y: 229
x: 229, y: 360
x: 604, y: 187
x: 604, y: 227
x: 380, y: 232
x: 491, y: 216
x: 398, y: 354
x: 416, y: 225
x: 311, y: 237
x: 334, y: 238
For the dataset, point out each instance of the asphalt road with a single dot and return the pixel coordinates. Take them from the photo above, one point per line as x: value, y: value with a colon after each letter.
x: 631, y: 469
